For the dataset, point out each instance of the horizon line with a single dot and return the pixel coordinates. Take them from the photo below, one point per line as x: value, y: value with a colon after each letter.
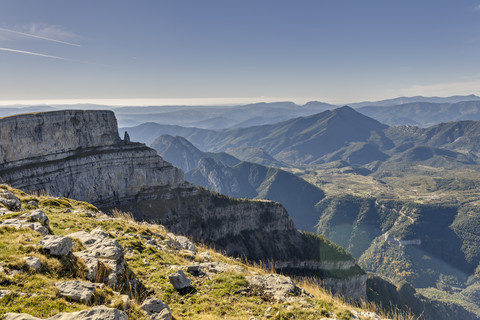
x: 143, y: 102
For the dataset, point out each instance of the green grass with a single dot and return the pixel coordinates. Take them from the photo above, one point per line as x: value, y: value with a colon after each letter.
x: 224, y: 295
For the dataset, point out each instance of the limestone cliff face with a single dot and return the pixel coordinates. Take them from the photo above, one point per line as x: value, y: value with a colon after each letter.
x: 38, y: 134
x: 78, y: 154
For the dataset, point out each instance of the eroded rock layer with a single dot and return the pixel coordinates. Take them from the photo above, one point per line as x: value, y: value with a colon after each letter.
x: 78, y: 154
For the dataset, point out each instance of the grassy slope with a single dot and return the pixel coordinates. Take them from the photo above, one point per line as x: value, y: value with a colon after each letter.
x: 212, y: 298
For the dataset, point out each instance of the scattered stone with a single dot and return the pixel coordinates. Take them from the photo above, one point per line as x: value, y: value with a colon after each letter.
x: 40, y: 216
x: 196, y: 270
x: 205, y: 256
x: 180, y: 243
x: 100, y: 248
x: 57, y: 245
x: 9, y: 200
x: 267, y: 312
x: 357, y: 315
x: 156, y: 309
x: 96, y: 313
x: 18, y: 224
x: 179, y: 280
x: 15, y: 272
x: 152, y: 242
x: 280, y: 287
x: 3, y: 293
x: 76, y: 290
x: 32, y: 203
x: 4, y: 211
x: 213, y: 268
x: 34, y: 263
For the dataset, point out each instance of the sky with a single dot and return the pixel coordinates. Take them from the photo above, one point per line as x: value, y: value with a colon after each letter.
x: 141, y: 52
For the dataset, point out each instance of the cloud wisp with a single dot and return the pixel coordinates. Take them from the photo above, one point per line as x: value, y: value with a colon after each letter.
x: 34, y: 54
x: 39, y: 37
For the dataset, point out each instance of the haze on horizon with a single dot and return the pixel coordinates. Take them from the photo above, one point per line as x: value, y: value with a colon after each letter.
x: 215, y: 52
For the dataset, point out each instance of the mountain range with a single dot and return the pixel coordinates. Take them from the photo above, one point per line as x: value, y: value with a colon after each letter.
x: 225, y: 174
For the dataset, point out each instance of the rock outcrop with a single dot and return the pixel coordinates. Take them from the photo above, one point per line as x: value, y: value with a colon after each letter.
x: 96, y: 313
x: 76, y: 290
x: 101, y: 249
x: 78, y: 154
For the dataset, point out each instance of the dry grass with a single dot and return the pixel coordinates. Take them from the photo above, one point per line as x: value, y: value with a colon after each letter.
x: 127, y: 216
x: 312, y: 287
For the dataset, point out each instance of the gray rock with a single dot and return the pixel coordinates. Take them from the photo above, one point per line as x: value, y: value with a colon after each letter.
x: 4, y: 211
x: 32, y: 203
x: 39, y: 228
x: 76, y: 290
x: 277, y: 285
x: 179, y: 280
x: 57, y: 245
x: 9, y: 200
x: 156, y: 309
x: 40, y: 216
x: 100, y: 248
x: 3, y: 293
x: 180, y: 243
x: 96, y: 313
x: 205, y: 256
x: 34, y: 263
x: 18, y: 224
x: 213, y: 268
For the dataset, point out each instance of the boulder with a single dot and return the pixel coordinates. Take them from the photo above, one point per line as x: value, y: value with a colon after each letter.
x: 100, y: 248
x: 276, y: 285
x: 156, y: 309
x: 57, y: 245
x: 96, y: 313
x: 34, y: 263
x: 180, y: 243
x: 179, y: 280
x: 40, y: 216
x: 76, y: 290
x: 9, y: 200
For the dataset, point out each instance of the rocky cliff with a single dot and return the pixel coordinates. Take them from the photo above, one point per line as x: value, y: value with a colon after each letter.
x: 79, y: 154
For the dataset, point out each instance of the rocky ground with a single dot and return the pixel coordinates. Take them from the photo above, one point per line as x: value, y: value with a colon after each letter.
x: 64, y: 259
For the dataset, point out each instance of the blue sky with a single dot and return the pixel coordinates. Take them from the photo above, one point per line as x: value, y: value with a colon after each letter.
x: 336, y: 51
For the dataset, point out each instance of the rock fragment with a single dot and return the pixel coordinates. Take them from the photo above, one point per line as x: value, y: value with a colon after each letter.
x: 280, y: 287
x: 180, y: 243
x: 76, y: 290
x: 179, y: 280
x: 9, y: 200
x: 96, y: 313
x: 34, y: 263
x: 57, y: 245
x: 156, y: 309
